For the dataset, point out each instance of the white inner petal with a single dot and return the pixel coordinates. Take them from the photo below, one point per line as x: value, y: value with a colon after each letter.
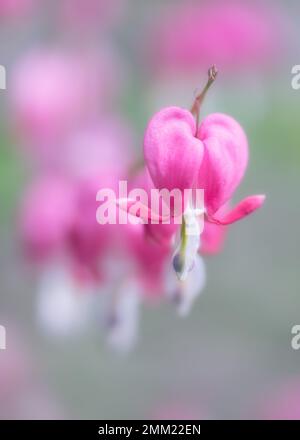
x: 189, y: 249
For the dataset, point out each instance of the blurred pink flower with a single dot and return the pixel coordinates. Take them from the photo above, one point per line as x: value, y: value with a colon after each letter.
x: 59, y: 210
x: 46, y: 216
x: 283, y: 403
x: 54, y: 91
x: 11, y: 9
x: 91, y: 15
x: 96, y: 156
x: 59, y: 226
x: 233, y: 34
x: 151, y: 260
x: 88, y: 242
x: 100, y: 147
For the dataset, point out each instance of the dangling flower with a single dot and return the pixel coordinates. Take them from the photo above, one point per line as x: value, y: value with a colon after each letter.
x: 59, y: 228
x: 181, y: 154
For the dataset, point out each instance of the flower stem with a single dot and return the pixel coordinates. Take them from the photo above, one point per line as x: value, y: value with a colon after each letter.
x: 195, y: 110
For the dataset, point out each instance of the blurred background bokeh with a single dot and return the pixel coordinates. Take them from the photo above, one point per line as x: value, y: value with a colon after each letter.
x: 83, y: 79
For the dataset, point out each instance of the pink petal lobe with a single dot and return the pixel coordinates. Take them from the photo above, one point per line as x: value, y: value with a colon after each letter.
x: 225, y: 159
x: 243, y: 209
x: 172, y: 152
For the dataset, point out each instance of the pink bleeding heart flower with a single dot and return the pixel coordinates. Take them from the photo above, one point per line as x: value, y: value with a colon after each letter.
x: 214, y: 160
x: 213, y: 157
x: 181, y: 155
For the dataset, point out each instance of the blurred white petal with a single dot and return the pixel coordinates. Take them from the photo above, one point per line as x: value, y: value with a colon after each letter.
x: 124, y: 317
x: 62, y: 308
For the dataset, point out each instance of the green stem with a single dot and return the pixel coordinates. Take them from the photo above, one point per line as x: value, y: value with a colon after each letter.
x: 183, y: 239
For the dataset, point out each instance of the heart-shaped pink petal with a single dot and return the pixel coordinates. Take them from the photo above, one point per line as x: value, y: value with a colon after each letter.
x: 172, y: 152
x: 225, y: 159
